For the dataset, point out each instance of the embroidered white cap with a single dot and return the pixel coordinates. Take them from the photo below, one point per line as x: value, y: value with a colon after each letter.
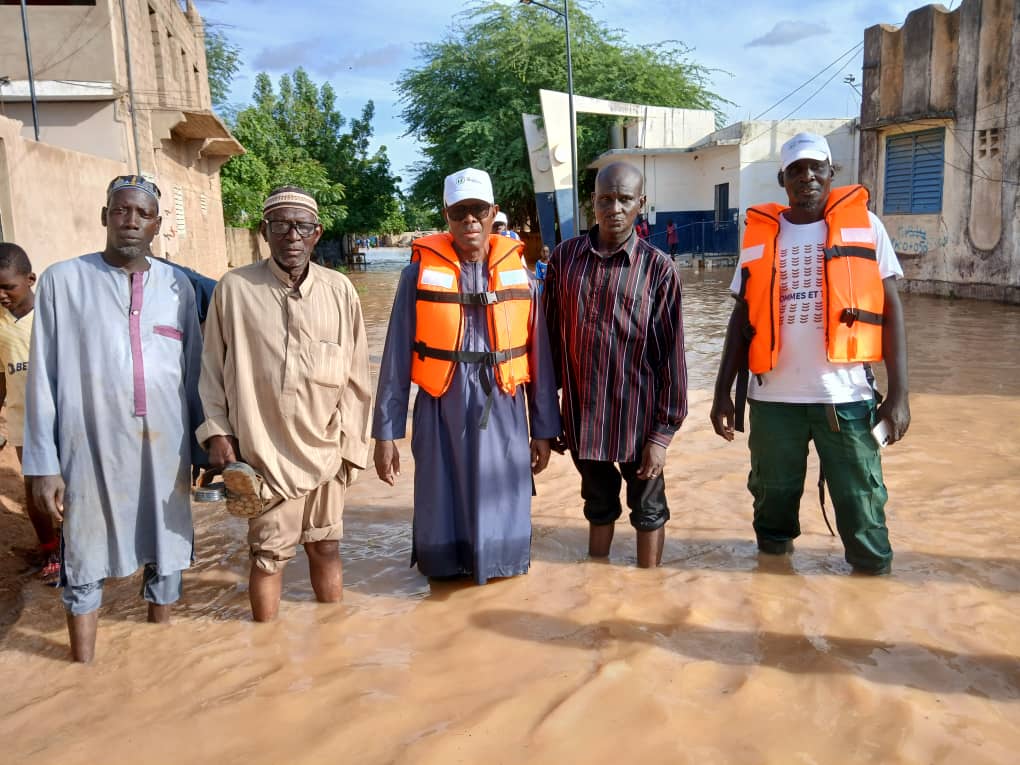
x: 804, y: 146
x: 468, y: 183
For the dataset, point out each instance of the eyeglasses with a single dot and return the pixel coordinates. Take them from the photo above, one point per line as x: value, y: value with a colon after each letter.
x: 461, y: 211
x: 283, y: 227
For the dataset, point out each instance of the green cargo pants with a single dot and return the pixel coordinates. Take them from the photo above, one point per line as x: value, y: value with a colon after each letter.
x: 853, y: 471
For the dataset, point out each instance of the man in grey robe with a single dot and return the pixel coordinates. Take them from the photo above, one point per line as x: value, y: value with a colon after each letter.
x: 473, y: 465
x: 112, y: 400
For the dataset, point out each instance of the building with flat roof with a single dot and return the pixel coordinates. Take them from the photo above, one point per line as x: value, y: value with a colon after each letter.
x: 121, y: 87
x: 940, y: 149
x: 700, y: 178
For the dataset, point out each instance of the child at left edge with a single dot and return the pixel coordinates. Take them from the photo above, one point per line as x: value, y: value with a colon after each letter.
x: 18, y: 302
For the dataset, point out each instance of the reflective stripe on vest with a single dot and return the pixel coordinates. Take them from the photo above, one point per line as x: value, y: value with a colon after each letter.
x: 439, y: 314
x: 852, y: 291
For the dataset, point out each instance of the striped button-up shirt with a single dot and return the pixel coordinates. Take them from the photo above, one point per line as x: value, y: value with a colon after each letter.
x: 616, y: 328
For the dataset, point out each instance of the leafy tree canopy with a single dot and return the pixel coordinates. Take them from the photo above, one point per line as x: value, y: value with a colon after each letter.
x: 464, y: 103
x: 222, y: 59
x: 294, y: 134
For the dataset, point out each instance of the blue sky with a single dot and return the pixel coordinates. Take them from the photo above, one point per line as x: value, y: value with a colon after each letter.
x: 759, y: 51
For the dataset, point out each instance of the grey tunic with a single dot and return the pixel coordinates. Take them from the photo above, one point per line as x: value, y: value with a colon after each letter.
x: 112, y: 398
x: 472, y: 486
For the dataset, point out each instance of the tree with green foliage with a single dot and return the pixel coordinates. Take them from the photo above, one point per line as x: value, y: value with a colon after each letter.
x: 286, y: 136
x: 419, y: 217
x: 294, y: 134
x: 464, y: 103
x: 372, y: 193
x: 222, y: 59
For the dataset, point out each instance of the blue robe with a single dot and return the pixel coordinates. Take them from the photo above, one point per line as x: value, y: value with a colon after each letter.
x: 111, y: 403
x: 472, y: 486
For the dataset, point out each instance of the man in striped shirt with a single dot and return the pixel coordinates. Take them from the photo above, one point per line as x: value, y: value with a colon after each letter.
x: 615, y: 323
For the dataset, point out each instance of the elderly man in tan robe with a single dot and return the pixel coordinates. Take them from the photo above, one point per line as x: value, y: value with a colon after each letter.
x: 286, y: 392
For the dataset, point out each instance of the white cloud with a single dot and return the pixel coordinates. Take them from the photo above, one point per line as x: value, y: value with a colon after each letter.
x: 788, y: 32
x: 362, y: 47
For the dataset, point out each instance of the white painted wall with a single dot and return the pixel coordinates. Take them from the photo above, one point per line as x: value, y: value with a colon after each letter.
x: 759, y: 156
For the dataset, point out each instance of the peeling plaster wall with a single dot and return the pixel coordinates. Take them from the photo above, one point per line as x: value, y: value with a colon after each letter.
x: 959, y: 70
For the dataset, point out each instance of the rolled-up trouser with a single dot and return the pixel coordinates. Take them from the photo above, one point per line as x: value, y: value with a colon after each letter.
x: 600, y: 489
x: 273, y: 537
x: 80, y: 599
x: 853, y: 471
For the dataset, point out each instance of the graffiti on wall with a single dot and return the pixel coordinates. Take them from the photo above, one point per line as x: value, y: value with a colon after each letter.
x: 916, y: 241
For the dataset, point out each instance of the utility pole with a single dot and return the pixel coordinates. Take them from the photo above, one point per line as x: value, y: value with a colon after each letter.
x: 31, y: 73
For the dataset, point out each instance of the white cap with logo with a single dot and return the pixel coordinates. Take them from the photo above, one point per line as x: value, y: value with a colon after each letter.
x: 468, y: 183
x: 804, y: 146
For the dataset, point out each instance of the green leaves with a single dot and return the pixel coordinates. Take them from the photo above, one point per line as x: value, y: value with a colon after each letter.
x: 464, y: 102
x: 293, y: 135
x: 222, y: 59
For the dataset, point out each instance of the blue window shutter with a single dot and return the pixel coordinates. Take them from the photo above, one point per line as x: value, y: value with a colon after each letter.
x: 914, y: 169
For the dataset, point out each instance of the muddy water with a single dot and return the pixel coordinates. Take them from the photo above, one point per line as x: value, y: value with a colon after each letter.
x: 717, y: 657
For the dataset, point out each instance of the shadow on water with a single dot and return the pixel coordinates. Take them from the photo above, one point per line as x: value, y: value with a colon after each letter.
x: 908, y: 664
x: 570, y: 545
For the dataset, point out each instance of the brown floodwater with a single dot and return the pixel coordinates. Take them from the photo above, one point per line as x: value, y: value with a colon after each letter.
x: 717, y: 657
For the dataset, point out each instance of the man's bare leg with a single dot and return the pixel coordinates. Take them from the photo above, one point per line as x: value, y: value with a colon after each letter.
x: 159, y: 614
x: 599, y: 540
x: 82, y: 630
x: 264, y: 590
x: 326, y: 568
x: 649, y: 547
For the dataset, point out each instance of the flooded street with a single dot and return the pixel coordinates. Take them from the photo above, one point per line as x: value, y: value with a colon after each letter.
x: 717, y: 657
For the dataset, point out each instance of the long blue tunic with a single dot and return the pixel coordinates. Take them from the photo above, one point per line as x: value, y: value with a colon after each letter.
x: 472, y: 486
x: 112, y: 401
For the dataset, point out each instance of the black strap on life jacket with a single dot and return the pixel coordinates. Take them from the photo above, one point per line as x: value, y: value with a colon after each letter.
x: 484, y: 359
x: 849, y: 316
x: 474, y: 298
x: 821, y: 499
x: 743, y: 372
x: 487, y: 358
x: 850, y: 251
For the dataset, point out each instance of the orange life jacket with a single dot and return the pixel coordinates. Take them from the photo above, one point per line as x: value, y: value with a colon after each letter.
x: 852, y: 291
x: 439, y: 312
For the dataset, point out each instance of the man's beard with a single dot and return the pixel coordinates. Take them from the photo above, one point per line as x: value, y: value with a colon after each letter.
x: 810, y: 205
x: 131, y: 251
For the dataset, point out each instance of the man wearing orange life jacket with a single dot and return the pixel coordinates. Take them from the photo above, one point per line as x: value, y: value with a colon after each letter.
x: 465, y: 328
x: 816, y: 302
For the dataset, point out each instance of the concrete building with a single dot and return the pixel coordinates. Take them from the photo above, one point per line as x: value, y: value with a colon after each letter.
x: 704, y: 188
x: 940, y: 145
x: 700, y: 178
x: 548, y: 139
x: 121, y: 87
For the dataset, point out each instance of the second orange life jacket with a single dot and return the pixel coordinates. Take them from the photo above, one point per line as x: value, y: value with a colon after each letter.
x: 439, y: 313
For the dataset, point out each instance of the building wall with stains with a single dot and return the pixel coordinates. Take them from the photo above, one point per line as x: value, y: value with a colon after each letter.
x: 960, y: 71
x: 91, y: 114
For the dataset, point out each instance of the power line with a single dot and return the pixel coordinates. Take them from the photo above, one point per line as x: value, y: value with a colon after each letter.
x: 820, y: 89
x: 812, y: 78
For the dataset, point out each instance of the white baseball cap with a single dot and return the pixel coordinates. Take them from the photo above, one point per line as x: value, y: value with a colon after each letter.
x: 468, y: 183
x: 804, y: 146
x: 501, y: 218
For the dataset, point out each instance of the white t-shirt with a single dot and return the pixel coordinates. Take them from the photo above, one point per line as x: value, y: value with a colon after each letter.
x: 803, y: 375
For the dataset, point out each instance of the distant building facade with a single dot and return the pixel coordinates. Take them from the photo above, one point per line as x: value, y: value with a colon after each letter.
x: 705, y: 187
x: 699, y: 177
x: 109, y: 103
x: 939, y: 151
